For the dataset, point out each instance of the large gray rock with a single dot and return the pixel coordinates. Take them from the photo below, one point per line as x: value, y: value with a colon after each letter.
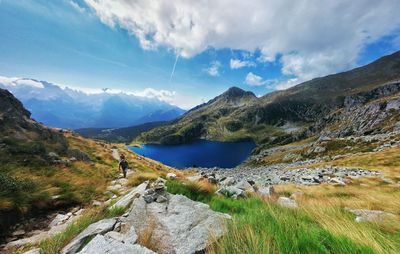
x: 106, y: 245
x: 128, y: 198
x: 100, y: 227
x: 180, y: 226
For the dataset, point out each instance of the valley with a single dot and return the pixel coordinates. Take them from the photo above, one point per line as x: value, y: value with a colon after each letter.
x: 324, y: 176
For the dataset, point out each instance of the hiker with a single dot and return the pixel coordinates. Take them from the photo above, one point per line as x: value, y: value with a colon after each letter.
x: 123, y: 164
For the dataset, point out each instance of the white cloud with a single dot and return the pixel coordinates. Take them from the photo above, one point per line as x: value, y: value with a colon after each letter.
x: 76, y: 6
x: 213, y: 69
x: 8, y: 81
x: 237, y: 64
x: 162, y: 95
x: 254, y: 80
x: 314, y: 37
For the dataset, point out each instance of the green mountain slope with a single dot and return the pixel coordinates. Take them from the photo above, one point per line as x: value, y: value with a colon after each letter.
x: 279, y: 117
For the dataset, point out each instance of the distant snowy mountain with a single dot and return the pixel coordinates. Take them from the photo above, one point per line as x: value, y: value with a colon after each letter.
x: 69, y: 108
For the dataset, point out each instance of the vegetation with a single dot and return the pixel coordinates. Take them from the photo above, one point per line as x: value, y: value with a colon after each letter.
x: 320, y: 225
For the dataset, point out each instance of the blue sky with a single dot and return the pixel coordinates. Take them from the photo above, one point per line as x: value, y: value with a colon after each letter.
x: 133, y: 45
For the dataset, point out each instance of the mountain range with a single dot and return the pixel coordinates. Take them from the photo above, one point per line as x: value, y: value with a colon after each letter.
x: 68, y: 108
x: 357, y: 102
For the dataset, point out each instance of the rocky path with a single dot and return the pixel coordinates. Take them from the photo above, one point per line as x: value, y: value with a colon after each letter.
x: 115, y: 154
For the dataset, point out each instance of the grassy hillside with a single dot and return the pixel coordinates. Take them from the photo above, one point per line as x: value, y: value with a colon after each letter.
x: 43, y: 169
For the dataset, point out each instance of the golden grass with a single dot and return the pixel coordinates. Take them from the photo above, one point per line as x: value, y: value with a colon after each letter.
x: 145, y: 236
x: 141, y: 177
x: 326, y: 204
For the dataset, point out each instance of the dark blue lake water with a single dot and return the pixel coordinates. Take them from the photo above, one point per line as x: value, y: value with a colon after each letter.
x: 201, y: 153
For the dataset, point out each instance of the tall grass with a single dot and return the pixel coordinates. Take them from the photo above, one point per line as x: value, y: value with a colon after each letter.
x: 260, y: 227
x: 54, y: 244
x: 263, y: 227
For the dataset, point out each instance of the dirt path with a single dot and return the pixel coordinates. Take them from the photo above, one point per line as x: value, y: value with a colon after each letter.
x: 115, y: 154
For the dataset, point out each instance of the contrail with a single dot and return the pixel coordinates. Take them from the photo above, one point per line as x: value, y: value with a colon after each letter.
x: 173, y: 69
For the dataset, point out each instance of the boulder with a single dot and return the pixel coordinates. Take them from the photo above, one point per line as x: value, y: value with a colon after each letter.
x: 232, y: 191
x: 287, y: 202
x: 266, y: 191
x: 244, y: 185
x: 171, y: 176
x: 178, y: 226
x: 363, y: 215
x: 128, y: 198
x: 337, y: 181
x: 228, y: 181
x: 100, y: 227
x: 105, y: 245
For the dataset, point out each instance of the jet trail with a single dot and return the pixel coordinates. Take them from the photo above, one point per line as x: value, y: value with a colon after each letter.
x: 173, y: 69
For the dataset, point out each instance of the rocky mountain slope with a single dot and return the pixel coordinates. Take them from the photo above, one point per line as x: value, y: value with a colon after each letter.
x: 363, y: 100
x: 68, y: 108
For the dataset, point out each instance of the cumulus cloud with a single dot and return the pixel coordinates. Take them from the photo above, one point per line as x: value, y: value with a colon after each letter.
x: 313, y: 38
x: 162, y: 95
x: 254, y: 80
x: 213, y: 69
x: 237, y: 64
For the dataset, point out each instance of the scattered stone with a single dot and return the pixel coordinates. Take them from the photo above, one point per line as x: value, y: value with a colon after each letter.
x: 171, y: 176
x: 100, y: 227
x: 58, y: 220
x: 53, y: 155
x: 232, y: 192
x: 19, y: 233
x: 287, y: 202
x: 244, y: 185
x: 157, y: 192
x: 128, y: 198
x: 364, y: 215
x: 266, y: 191
x: 228, y: 181
x: 337, y: 181
x: 96, y: 203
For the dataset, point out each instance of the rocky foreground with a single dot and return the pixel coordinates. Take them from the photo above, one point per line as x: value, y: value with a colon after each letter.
x: 165, y: 222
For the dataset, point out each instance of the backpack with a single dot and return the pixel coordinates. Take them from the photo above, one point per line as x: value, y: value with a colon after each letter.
x: 124, y: 164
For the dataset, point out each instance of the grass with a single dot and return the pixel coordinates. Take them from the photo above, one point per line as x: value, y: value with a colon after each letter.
x: 320, y: 225
x: 260, y: 227
x: 55, y: 244
x: 199, y: 191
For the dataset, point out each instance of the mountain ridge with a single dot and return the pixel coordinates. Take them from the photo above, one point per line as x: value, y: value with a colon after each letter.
x: 275, y: 116
x: 68, y: 108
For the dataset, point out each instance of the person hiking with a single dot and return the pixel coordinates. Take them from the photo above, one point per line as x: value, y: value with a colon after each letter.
x: 123, y: 165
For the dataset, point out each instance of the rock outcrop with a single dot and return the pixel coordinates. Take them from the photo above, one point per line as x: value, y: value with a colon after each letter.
x: 174, y: 224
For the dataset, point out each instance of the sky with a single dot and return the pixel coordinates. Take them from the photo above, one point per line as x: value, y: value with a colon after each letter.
x: 187, y: 52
